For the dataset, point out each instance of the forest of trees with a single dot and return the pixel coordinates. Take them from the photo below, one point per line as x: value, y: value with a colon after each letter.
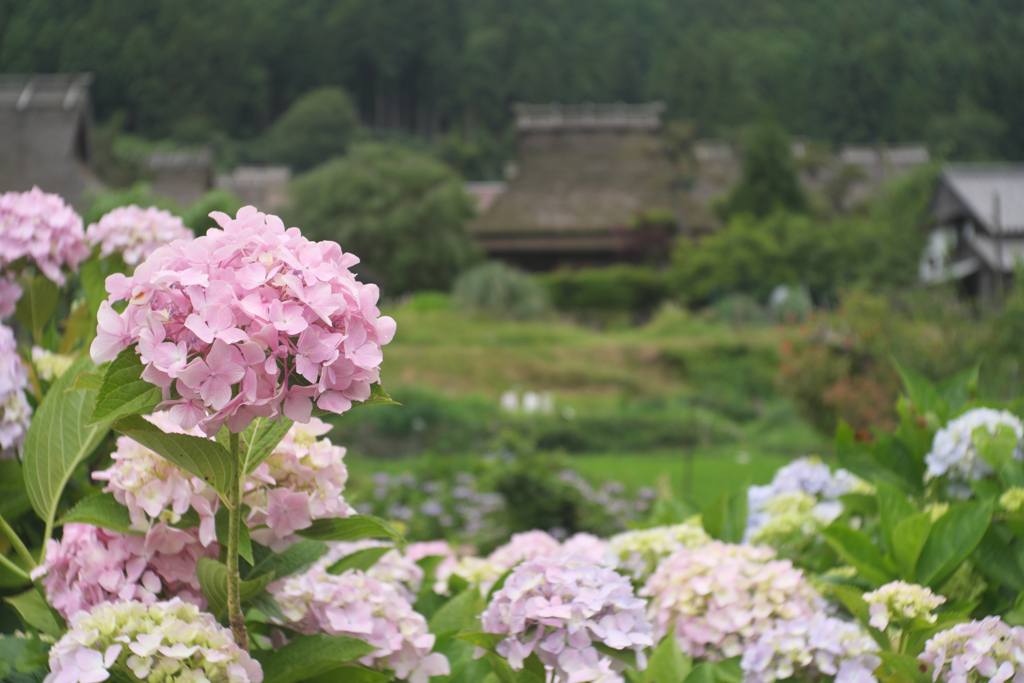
x: 945, y: 71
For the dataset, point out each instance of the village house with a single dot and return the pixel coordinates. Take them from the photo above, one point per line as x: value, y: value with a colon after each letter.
x: 46, y: 134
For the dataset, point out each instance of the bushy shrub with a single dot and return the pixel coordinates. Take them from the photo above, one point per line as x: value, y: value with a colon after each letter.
x: 319, y: 125
x: 500, y: 290
x: 622, y: 287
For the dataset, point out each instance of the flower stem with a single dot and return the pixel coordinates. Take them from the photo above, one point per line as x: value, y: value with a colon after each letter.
x: 235, y: 616
x: 19, y: 547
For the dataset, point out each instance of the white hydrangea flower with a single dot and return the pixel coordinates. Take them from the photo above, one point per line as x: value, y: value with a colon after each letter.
x: 50, y: 365
x: 900, y: 600
x: 638, y: 552
x: 814, y: 647
x: 787, y: 513
x: 165, y: 642
x: 954, y: 452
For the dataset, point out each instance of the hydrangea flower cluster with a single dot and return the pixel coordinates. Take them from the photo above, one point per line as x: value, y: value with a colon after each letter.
x: 10, y: 292
x: 354, y: 604
x: 975, y: 651
x: 558, y: 607
x: 638, y: 552
x: 809, y: 476
x: 953, y: 450
x: 252, y: 305
x: 788, y: 513
x: 50, y: 365
x: 136, y: 233
x: 15, y: 411
x: 41, y: 228
x: 165, y: 642
x: 901, y: 601
x: 588, y: 546
x: 393, y: 568
x: 483, y: 572
x: 816, y: 647
x: 302, y: 480
x: 722, y: 597
x: 89, y: 566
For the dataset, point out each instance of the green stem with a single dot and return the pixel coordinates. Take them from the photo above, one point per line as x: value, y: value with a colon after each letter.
x: 235, y: 616
x: 19, y: 547
x: 14, y: 568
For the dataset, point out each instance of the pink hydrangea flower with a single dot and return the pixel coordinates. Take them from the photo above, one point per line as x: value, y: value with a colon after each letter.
x: 265, y: 321
x: 41, y: 228
x: 813, y: 648
x: 136, y: 233
x: 590, y: 547
x: 10, y: 292
x: 721, y: 597
x: 393, y: 568
x: 89, y: 566
x: 303, y: 479
x: 558, y: 607
x: 357, y: 605
x: 976, y: 651
x: 15, y: 411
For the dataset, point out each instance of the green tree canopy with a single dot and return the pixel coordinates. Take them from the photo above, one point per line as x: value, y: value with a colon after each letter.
x: 769, y: 179
x: 318, y: 126
x: 403, y: 212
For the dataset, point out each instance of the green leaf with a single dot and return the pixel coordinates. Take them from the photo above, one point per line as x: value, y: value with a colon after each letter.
x: 213, y: 579
x: 626, y: 656
x: 458, y: 614
x: 309, y: 656
x: 354, y: 528
x: 922, y: 394
x: 104, y: 511
x: 499, y: 584
x: 36, y: 613
x: 221, y: 526
x: 266, y: 603
x: 377, y: 397
x: 33, y: 657
x: 667, y: 664
x: 716, y: 672
x: 908, y: 669
x: 294, y: 558
x: 360, y: 559
x: 725, y: 517
x: 37, y: 304
x: 487, y: 641
x: 57, y: 442
x: 908, y: 540
x: 857, y: 550
x: 854, y: 601
x: 87, y: 381
x: 204, y: 458
x: 893, y: 508
x: 952, y: 538
x: 959, y: 388
x: 994, y: 558
x: 124, y: 392
x: 259, y: 440
x: 350, y: 673
x: 14, y: 500
x: 997, y: 449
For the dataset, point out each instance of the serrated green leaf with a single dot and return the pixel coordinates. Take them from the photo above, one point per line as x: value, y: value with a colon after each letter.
x: 124, y: 392
x: 221, y: 527
x: 213, y: 579
x: 908, y: 669
x: 204, y: 458
x: 952, y: 538
x: 667, y: 663
x: 354, y: 528
x: 458, y: 614
x: 857, y: 550
x: 36, y: 613
x: 87, y: 381
x: 266, y: 603
x: 487, y: 641
x: 501, y: 669
x: 922, y: 394
x: 893, y: 508
x: 37, y: 303
x: 33, y: 657
x: 101, y: 510
x: 627, y: 657
x: 294, y: 558
x: 309, y: 656
x: 14, y: 500
x: 360, y: 559
x: 57, y: 442
x: 994, y: 558
x: 259, y: 440
x: 908, y: 539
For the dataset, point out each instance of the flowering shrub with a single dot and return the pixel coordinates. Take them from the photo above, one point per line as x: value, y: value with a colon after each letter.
x: 165, y: 641
x: 638, y: 553
x: 91, y: 566
x: 355, y: 604
x: 15, y: 412
x: 978, y: 650
x: 136, y: 233
x: 557, y: 607
x: 250, y: 304
x: 811, y: 649
x: 720, y: 597
x: 42, y: 229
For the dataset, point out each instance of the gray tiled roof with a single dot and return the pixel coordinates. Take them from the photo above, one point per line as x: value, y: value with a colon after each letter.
x: 40, y: 91
x: 972, y: 186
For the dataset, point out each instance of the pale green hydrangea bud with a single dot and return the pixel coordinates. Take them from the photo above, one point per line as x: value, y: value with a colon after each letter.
x: 901, y: 601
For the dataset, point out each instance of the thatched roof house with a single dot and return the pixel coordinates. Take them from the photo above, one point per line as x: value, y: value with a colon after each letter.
x: 584, y: 173
x: 183, y: 175
x: 46, y: 134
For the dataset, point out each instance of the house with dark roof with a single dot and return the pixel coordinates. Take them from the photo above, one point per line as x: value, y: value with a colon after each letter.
x: 979, y: 238
x: 46, y: 134
x: 584, y: 174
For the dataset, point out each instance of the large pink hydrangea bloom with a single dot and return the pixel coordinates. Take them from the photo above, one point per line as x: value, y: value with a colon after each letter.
x: 41, y: 228
x: 558, y: 607
x: 136, y: 233
x: 251, y: 320
x: 90, y: 566
x: 722, y: 597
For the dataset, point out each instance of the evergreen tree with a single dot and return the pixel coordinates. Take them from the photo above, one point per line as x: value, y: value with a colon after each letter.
x: 769, y: 180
